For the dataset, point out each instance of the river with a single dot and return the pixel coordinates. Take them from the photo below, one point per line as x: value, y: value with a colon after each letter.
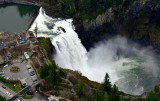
x: 16, y: 17
x: 132, y: 68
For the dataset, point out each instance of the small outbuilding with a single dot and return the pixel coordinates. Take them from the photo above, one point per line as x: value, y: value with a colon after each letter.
x: 26, y: 55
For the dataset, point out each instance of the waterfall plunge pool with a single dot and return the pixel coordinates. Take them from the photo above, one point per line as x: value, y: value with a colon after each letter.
x: 132, y: 68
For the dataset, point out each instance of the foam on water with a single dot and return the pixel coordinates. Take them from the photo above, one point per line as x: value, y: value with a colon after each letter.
x: 128, y: 66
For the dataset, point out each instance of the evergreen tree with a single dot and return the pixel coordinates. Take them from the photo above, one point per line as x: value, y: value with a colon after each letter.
x: 44, y: 72
x: 2, y: 98
x: 85, y: 6
x: 68, y: 6
x: 107, y: 84
x: 114, y: 96
x: 51, y: 72
x: 54, y: 76
x: 156, y: 89
x: 98, y: 95
x: 152, y: 97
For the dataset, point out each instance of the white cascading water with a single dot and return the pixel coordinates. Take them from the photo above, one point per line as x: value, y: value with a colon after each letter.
x: 129, y: 66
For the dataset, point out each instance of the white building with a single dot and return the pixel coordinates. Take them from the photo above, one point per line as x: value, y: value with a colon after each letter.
x: 26, y: 55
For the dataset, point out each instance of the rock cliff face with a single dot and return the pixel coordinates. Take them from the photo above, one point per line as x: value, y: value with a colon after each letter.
x: 135, y: 19
x: 106, y: 17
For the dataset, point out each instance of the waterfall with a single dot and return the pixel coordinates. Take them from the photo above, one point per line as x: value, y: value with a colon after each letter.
x: 128, y: 66
x: 71, y: 53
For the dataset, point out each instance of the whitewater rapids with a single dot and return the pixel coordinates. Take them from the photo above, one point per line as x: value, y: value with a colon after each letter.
x: 133, y: 69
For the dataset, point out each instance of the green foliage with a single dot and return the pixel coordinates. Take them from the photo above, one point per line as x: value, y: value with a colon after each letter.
x: 135, y: 99
x: 68, y: 6
x: 26, y: 96
x: 83, y: 99
x: 90, y: 9
x: 114, y: 96
x: 10, y: 84
x: 107, y: 84
x: 99, y: 95
x: 44, y: 72
x: 156, y: 89
x: 51, y: 73
x: 2, y: 98
x: 41, y: 88
x: 86, y: 80
x: 2, y: 79
x: 121, y: 98
x: 154, y: 95
x: 16, y: 87
x: 80, y: 88
x: 46, y: 46
x: 54, y: 76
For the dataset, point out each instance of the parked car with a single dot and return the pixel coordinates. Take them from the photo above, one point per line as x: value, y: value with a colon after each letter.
x: 1, y: 73
x: 5, y: 65
x: 32, y: 73
x: 3, y: 86
x: 35, y: 80
x: 28, y: 68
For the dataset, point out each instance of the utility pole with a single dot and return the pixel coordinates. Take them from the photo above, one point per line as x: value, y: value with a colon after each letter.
x: 36, y: 29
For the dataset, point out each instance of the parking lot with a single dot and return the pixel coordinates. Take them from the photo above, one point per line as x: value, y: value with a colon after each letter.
x: 23, y: 75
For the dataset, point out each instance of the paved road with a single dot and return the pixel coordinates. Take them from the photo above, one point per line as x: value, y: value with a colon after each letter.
x: 24, y: 90
x: 37, y: 97
x: 23, y: 74
x: 3, y: 91
x: 20, y: 93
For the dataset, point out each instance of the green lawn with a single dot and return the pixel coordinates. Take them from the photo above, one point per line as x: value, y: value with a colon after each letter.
x: 12, y: 84
x: 15, y: 88
x: 26, y: 96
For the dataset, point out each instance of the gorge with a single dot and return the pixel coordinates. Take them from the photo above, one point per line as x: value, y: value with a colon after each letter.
x: 129, y: 65
x: 121, y: 39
